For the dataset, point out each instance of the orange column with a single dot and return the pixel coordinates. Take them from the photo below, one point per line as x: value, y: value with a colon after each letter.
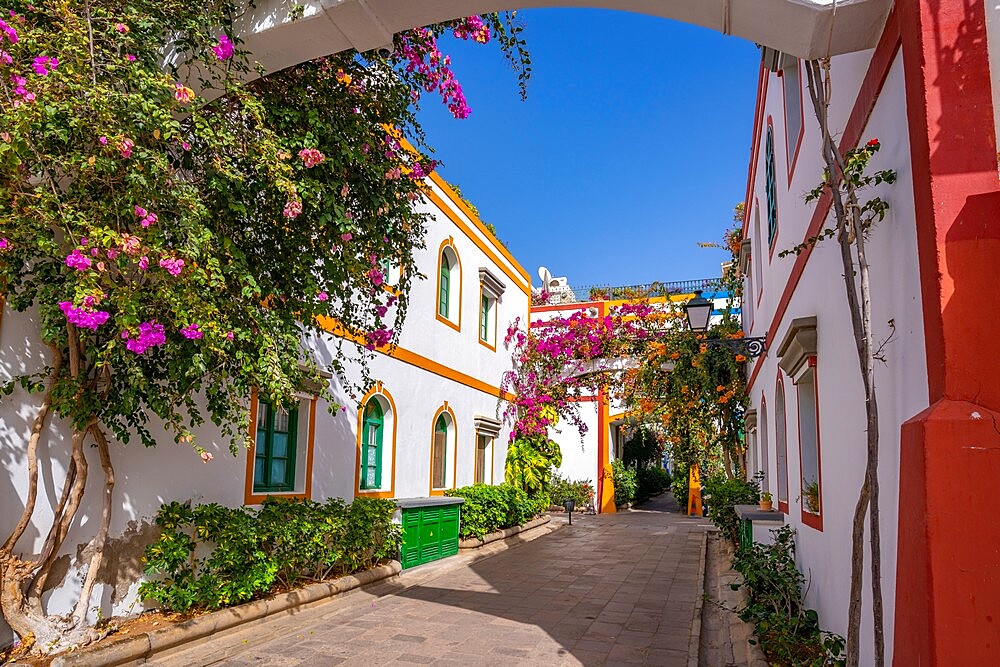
x: 948, y: 571
x: 607, y: 485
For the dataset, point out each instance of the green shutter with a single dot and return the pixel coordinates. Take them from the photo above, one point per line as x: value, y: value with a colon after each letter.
x: 371, y: 445
x: 484, y: 319
x: 274, y: 453
x: 444, y: 286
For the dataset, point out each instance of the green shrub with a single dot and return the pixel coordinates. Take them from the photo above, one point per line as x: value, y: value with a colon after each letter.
x: 788, y: 633
x: 488, y: 509
x: 679, y: 485
x: 650, y: 482
x: 210, y: 556
x: 623, y: 479
x: 642, y: 450
x: 721, y: 494
x: 562, y: 488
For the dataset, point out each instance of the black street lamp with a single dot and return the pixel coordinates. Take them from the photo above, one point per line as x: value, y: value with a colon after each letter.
x: 699, y: 311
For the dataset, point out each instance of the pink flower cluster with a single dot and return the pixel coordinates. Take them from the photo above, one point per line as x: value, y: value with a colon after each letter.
x: 472, y: 28
x: 376, y: 276
x: 422, y: 170
x: 419, y: 49
x: 77, y: 260
x: 151, y: 334
x: 43, y: 65
x: 8, y: 31
x: 224, y: 50
x: 293, y: 207
x: 192, y: 332
x: 173, y: 265
x: 125, y: 147
x: 85, y: 317
x: 378, y: 338
x: 4, y: 244
x: 311, y: 157
x: 146, y: 218
x: 23, y: 93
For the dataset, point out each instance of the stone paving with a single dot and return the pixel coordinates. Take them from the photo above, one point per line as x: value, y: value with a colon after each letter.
x: 610, y: 589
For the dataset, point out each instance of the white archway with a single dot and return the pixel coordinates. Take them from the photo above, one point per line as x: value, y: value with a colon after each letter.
x: 803, y: 28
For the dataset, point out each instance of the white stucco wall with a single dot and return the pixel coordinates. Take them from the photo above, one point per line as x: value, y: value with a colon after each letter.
x: 825, y: 556
x: 433, y: 365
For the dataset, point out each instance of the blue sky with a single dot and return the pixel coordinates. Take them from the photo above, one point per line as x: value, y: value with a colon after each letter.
x: 631, y: 148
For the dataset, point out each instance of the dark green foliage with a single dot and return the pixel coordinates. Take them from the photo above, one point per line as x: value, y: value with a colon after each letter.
x: 721, y: 494
x: 789, y: 634
x: 650, y: 482
x: 642, y: 450
x: 212, y: 556
x: 679, y: 485
x: 488, y: 509
x: 562, y: 488
x: 623, y: 478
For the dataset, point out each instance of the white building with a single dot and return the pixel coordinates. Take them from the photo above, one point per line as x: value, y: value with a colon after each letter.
x: 430, y: 424
x: 925, y: 93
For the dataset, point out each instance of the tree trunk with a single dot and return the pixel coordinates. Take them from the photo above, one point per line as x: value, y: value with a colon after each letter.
x: 850, y: 232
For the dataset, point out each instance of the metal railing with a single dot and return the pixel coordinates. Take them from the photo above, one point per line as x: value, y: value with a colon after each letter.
x: 608, y: 292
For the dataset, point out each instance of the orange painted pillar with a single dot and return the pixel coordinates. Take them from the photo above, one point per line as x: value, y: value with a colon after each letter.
x: 694, y: 491
x: 948, y: 569
x: 606, y: 487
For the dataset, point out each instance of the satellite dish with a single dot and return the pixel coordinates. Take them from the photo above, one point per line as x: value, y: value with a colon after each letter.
x: 546, y: 277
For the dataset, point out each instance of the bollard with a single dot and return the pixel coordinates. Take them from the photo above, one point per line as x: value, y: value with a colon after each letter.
x: 568, y: 505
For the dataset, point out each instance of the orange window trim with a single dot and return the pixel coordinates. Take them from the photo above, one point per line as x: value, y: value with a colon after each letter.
x: 430, y: 460
x: 812, y: 519
x: 377, y: 390
x: 449, y: 243
x: 523, y: 282
x: 406, y: 356
x: 251, y: 498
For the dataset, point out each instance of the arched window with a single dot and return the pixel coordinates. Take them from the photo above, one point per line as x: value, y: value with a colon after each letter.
x: 449, y: 282
x: 372, y: 434
x: 439, y: 457
x: 770, y: 186
x: 781, y: 444
x: 444, y: 287
x: 758, y: 250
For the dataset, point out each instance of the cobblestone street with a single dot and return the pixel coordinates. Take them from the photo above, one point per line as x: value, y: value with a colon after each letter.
x: 610, y: 589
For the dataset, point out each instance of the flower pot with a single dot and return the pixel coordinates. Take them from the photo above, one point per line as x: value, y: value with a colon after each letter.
x: 766, y: 505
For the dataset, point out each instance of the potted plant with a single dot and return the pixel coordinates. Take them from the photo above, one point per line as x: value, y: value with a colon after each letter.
x: 812, y: 497
x: 765, y: 500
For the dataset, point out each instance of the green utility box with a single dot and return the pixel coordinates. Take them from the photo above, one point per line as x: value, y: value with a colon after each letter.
x: 430, y: 529
x: 756, y: 524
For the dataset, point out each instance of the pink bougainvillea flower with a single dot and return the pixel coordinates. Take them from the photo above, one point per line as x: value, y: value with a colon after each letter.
x: 472, y: 28
x: 44, y: 64
x: 378, y: 338
x: 102, y: 140
x: 173, y: 265
x: 345, y: 189
x: 140, y: 211
x: 77, y: 260
x: 112, y: 253
x: 346, y: 236
x: 9, y: 31
x: 186, y: 146
x: 311, y: 157
x: 130, y: 244
x: 148, y: 220
x: 4, y: 244
x: 94, y: 252
x: 192, y: 332
x: 322, y: 296
x: 230, y: 335
x: 144, y: 263
x: 6, y: 58
x: 207, y: 456
x: 121, y: 27
x: 224, y: 49
x: 85, y: 317
x: 376, y: 276
x: 125, y: 147
x: 151, y: 334
x: 293, y: 207
x: 393, y: 174
x: 183, y: 94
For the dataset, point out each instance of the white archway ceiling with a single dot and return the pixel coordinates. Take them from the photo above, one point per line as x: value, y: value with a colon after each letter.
x: 803, y: 28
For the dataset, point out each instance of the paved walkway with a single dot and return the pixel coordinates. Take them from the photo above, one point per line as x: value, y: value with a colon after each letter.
x: 608, y: 590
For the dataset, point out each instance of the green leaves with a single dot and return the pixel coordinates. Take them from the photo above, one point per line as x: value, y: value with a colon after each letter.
x: 488, y: 509
x: 212, y: 556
